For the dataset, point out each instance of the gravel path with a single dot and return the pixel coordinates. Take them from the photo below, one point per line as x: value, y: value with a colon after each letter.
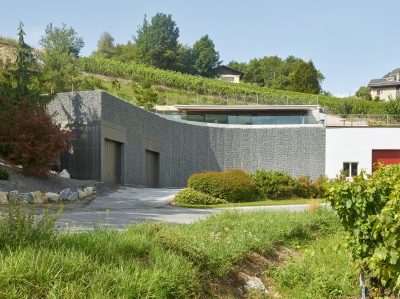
x: 54, y: 183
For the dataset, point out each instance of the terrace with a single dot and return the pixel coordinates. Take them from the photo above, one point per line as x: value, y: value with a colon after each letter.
x: 362, y: 120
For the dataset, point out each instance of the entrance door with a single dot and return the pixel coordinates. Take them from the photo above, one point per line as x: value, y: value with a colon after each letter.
x: 386, y: 157
x: 112, y: 162
x: 152, y: 169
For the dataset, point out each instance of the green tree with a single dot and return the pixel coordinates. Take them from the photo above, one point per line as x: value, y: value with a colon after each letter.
x: 145, y: 95
x: 206, y: 58
x: 364, y: 92
x: 157, y: 42
x: 68, y: 37
x: 60, y: 68
x: 307, y: 79
x: 105, y: 46
x: 20, y: 80
x: 59, y: 71
x: 124, y: 53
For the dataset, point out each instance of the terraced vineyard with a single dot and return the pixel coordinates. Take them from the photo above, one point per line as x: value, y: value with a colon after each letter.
x: 213, y: 87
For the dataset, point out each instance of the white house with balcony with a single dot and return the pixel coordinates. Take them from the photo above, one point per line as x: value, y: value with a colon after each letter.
x: 385, y: 88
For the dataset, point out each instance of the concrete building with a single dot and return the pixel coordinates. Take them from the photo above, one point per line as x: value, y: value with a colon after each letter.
x: 122, y: 143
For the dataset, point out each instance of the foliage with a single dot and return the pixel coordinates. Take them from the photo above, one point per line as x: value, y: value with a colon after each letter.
x: 205, y: 57
x: 4, y: 175
x: 157, y: 42
x: 60, y: 70
x: 29, y: 130
x: 66, y: 37
x: 115, y: 85
x: 272, y: 72
x: 317, y: 273
x: 21, y: 226
x: 232, y: 185
x: 241, y: 92
x: 190, y: 196
x: 306, y: 188
x: 105, y: 46
x: 19, y: 81
x: 365, y: 93
x: 152, y: 260
x: 145, y: 95
x: 306, y: 78
x: 345, y: 107
x: 275, y: 184
x: 392, y: 106
x: 124, y: 53
x: 369, y: 209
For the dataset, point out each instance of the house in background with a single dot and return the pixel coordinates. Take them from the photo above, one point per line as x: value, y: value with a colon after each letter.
x: 230, y: 74
x: 386, y: 88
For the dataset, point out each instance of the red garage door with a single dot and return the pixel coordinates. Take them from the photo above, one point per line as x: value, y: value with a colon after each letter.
x: 386, y: 157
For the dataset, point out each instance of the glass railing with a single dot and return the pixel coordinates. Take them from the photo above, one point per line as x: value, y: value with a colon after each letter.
x: 250, y: 120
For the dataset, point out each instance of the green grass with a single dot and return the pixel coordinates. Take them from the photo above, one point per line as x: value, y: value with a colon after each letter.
x: 266, y: 202
x: 150, y: 260
x: 318, y: 273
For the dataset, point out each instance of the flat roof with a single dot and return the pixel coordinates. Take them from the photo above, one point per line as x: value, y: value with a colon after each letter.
x: 245, y: 107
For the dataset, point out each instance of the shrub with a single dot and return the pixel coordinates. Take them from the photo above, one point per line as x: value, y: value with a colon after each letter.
x: 20, y: 225
x: 368, y: 208
x: 189, y: 196
x: 35, y: 140
x: 232, y: 185
x: 306, y: 188
x: 275, y: 184
x: 4, y: 175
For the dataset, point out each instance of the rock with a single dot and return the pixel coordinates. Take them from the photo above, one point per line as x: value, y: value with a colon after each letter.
x: 16, y: 197
x: 65, y: 174
x: 82, y: 194
x: 26, y: 198
x: 23, y: 198
x: 68, y: 194
x: 254, y: 283
x: 13, y: 196
x: 39, y: 197
x: 90, y: 190
x: 53, y: 197
x: 3, y: 198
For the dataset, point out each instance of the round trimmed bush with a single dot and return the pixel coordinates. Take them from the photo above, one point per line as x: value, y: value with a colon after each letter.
x: 191, y: 197
x: 232, y: 185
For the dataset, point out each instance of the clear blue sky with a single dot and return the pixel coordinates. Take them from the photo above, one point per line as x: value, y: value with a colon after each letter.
x: 349, y: 41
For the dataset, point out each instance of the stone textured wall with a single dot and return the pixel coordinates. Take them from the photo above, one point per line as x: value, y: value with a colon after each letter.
x: 80, y: 112
x: 187, y: 148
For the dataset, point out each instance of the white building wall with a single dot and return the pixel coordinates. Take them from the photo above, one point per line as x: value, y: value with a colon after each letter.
x: 356, y: 145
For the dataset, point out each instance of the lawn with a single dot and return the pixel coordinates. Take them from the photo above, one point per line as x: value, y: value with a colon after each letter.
x: 150, y: 260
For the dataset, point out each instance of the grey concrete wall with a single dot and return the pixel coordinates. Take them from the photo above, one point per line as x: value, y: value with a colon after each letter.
x: 188, y: 147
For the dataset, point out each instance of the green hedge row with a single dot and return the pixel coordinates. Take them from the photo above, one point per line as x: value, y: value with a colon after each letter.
x: 235, y: 185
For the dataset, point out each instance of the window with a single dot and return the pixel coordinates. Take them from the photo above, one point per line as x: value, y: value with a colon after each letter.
x: 231, y: 79
x: 350, y: 169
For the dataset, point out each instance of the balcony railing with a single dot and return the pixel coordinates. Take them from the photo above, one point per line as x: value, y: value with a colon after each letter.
x: 359, y: 120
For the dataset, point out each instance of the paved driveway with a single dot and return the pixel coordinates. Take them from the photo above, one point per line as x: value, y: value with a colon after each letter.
x: 118, y: 206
